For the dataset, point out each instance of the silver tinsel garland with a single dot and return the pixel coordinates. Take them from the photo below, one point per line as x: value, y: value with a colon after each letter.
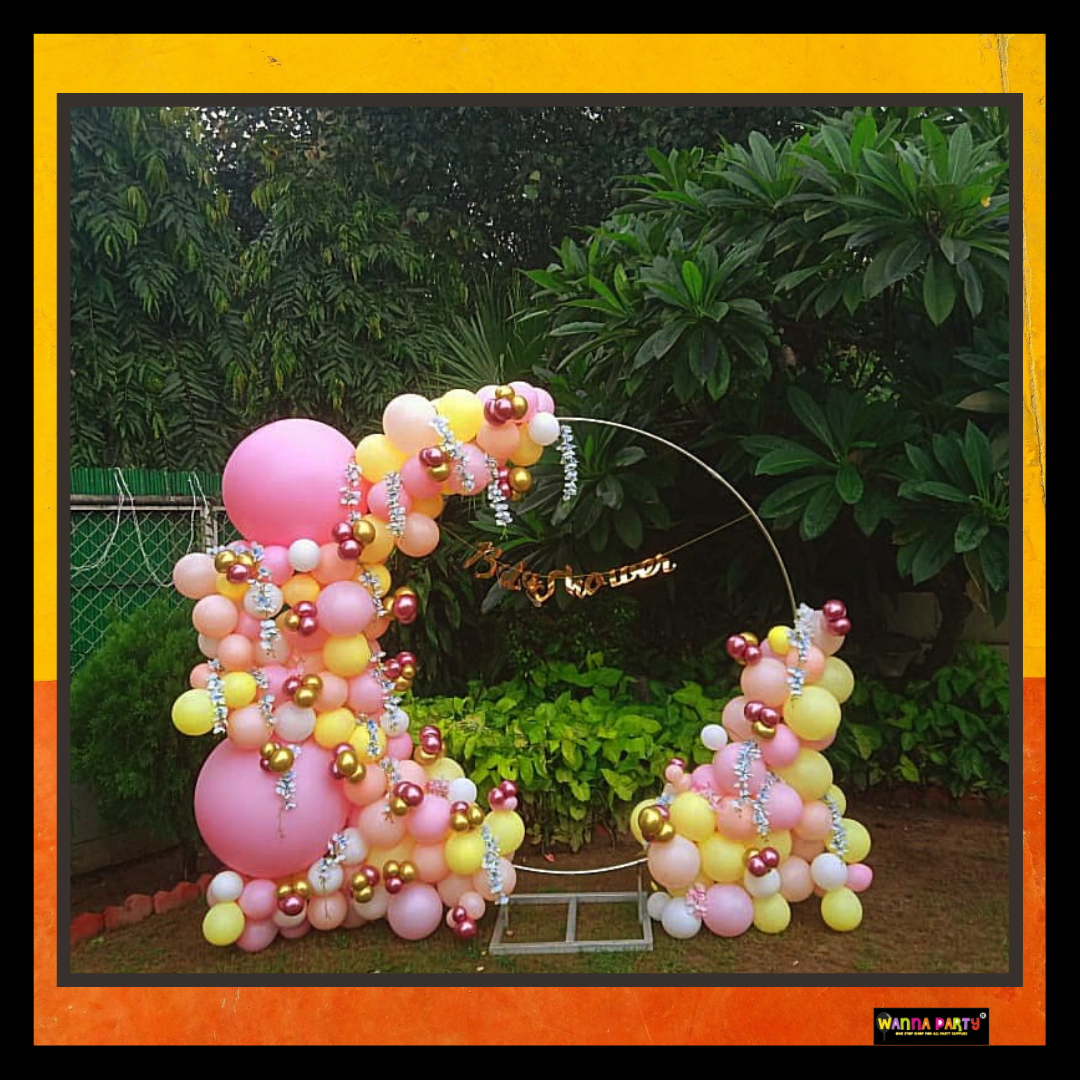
x: 801, y: 637
x: 760, y: 805
x: 452, y: 447
x: 568, y: 459
x: 372, y: 583
x: 838, y: 843
x: 286, y: 785
x: 393, y: 503
x: 496, y: 498
x: 747, y: 754
x: 350, y: 493
x: 215, y: 687
x: 492, y: 864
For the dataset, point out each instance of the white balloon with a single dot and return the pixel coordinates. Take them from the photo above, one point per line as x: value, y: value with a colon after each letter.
x: 394, y: 722
x: 679, y: 921
x: 828, y: 872
x: 285, y: 921
x: 356, y: 847
x: 543, y: 429
x: 271, y: 598
x: 304, y: 555
x: 376, y: 907
x: 292, y: 723
x: 208, y: 646
x: 714, y: 737
x: 211, y: 897
x: 463, y: 790
x: 760, y: 887
x: 325, y: 878
x: 228, y: 885
x: 656, y: 904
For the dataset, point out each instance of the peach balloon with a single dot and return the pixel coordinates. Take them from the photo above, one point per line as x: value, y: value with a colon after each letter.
x: 327, y: 912
x: 199, y: 677
x: 301, y: 587
x: 407, y: 421
x: 480, y: 881
x: 432, y: 507
x: 417, y: 482
x: 806, y: 849
x: 499, y: 441
x: 765, y: 681
x: 430, y: 862
x: 420, y: 538
x: 366, y: 791
x: 378, y: 826
x: 795, y: 881
x: 378, y: 627
x: 453, y: 887
x: 473, y: 903
x: 379, y: 500
x: 247, y: 625
x: 334, y: 692
x: 236, y: 652
x: 332, y: 567
x: 247, y: 728
x: 366, y: 695
x: 277, y: 653
x: 527, y: 452
x: 735, y: 822
x: 738, y: 727
x: 195, y: 576
x: 814, y: 664
x: 413, y: 772
x: 214, y: 616
x: 816, y: 821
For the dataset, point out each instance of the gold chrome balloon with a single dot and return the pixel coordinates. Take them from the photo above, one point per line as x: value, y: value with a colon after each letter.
x: 267, y: 749
x: 364, y: 531
x: 364, y: 894
x: 391, y: 868
x: 521, y: 406
x: 439, y: 472
x: 281, y: 760
x: 302, y: 888
x: 291, y: 621
x: 347, y: 762
x: 305, y: 697
x: 358, y: 773
x: 459, y: 821
x: 422, y: 757
x: 666, y: 833
x: 246, y: 559
x: 504, y: 392
x: 312, y: 682
x: 751, y: 853
x: 516, y: 496
x: 404, y: 590
x: 763, y: 731
x: 402, y: 684
x: 398, y: 806
x: 408, y: 671
x: 407, y: 872
x: 649, y: 821
x: 750, y: 639
x: 475, y: 814
x: 283, y: 890
x: 223, y: 560
x: 520, y: 479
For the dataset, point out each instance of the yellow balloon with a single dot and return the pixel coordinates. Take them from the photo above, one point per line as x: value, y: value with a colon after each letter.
x: 723, y: 859
x: 361, y: 742
x: 347, y: 656
x: 780, y: 640
x: 813, y: 715
x: 633, y: 819
x: 841, y: 909
x: 234, y: 590
x: 193, y: 712
x: 300, y: 587
x: 445, y: 769
x: 781, y: 841
x: 837, y: 678
x: 240, y: 689
x: 401, y: 851
x: 527, y: 452
x: 858, y: 841
x: 693, y: 817
x: 507, y: 828
x: 377, y: 455
x: 334, y: 727
x: 223, y: 923
x: 379, y: 548
x: 381, y: 575
x: 465, y: 852
x: 771, y: 914
x: 463, y: 412
x: 810, y: 774
x: 837, y: 797
x: 432, y: 507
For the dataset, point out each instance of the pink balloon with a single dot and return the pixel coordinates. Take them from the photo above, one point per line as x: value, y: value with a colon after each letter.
x: 257, y: 935
x: 814, y: 664
x: 782, y: 749
x: 208, y: 646
x: 765, y: 681
x: 738, y: 727
x: 236, y: 652
x: 365, y: 791
x: 783, y: 806
x: 282, y: 482
x: 327, y: 912
x: 733, y: 821
x: 332, y: 567
x: 276, y: 675
x: 421, y: 536
x: 378, y: 826
x: 214, y: 616
x: 451, y: 888
x: 729, y: 911
x: 379, y: 500
x: 430, y: 862
x: 476, y: 465
x: 827, y: 642
x: 277, y: 653
x: 859, y: 877
x: 529, y: 394
x: 795, y: 881
x: 724, y: 765
x: 366, y: 695
x: 674, y: 863
x: 247, y: 728
x: 247, y: 626
x: 500, y: 441
x: 486, y: 393
x: 345, y: 608
x: 353, y: 919
x: 259, y: 899
x: 702, y: 779
x: 413, y: 772
x: 430, y: 821
x: 334, y: 692
x: 480, y: 881
x: 417, y: 480
x: 195, y: 576
x: 276, y: 560
x: 241, y: 816
x: 816, y: 821
x: 415, y: 912
x: 544, y: 401
x: 199, y: 677
x: 400, y: 747
x: 474, y: 904
x: 295, y: 932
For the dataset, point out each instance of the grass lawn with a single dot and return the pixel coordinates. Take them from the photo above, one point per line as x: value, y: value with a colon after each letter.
x: 939, y: 904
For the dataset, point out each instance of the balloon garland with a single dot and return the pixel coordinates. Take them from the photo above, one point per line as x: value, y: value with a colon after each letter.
x: 326, y: 811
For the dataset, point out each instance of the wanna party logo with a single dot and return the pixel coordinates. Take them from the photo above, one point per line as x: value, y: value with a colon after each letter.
x: 926, y: 1025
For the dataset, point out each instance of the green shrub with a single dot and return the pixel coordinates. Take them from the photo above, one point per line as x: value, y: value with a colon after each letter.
x: 123, y: 745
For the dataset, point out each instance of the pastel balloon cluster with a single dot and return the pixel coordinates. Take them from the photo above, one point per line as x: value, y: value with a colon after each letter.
x: 318, y: 799
x: 734, y: 842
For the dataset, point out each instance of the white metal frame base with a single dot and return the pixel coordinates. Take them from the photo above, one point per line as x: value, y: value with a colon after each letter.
x: 570, y: 944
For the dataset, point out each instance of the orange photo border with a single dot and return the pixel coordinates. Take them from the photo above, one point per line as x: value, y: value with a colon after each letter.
x: 428, y: 64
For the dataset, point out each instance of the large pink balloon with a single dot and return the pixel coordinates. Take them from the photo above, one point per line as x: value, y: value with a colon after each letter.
x: 415, y: 912
x: 345, y: 609
x: 430, y: 821
x: 244, y: 821
x: 729, y: 911
x: 281, y: 483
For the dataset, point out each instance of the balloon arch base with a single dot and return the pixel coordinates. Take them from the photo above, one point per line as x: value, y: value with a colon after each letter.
x: 501, y: 939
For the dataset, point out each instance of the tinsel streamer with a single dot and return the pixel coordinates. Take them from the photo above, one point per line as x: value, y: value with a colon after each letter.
x: 747, y: 754
x: 695, y: 900
x: 493, y: 865
x: 496, y: 497
x: 286, y: 785
x: 215, y: 687
x: 372, y: 583
x: 265, y: 703
x: 335, y: 854
x: 838, y: 842
x: 373, y: 739
x: 666, y: 799
x: 393, y: 503
x: 389, y: 766
x: 761, y: 810
x: 350, y: 492
x: 568, y: 459
x: 801, y: 637
x: 452, y: 447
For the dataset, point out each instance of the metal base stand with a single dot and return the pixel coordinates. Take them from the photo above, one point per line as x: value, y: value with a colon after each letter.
x: 570, y: 944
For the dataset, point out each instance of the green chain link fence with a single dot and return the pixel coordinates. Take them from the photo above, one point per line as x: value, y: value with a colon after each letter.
x: 128, y: 528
